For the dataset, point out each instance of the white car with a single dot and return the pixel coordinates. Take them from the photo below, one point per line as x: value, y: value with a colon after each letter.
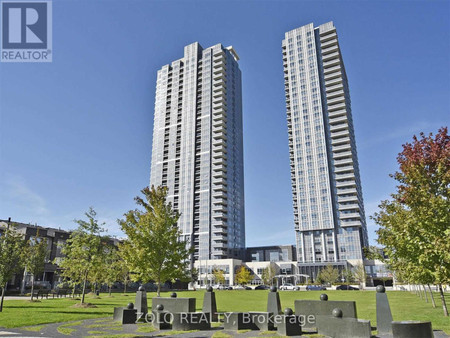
x: 289, y: 286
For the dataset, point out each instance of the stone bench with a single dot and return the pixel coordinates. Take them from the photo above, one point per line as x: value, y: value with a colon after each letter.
x: 125, y: 315
x: 309, y: 309
x: 174, y: 305
x: 161, y: 319
x: 336, y: 326
x: 263, y: 320
x: 412, y: 329
x: 288, y: 325
x: 238, y: 321
x: 186, y: 321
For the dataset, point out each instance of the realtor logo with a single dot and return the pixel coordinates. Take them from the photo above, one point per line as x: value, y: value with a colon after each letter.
x: 26, y: 31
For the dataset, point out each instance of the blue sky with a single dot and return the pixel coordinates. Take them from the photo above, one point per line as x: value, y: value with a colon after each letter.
x: 77, y: 132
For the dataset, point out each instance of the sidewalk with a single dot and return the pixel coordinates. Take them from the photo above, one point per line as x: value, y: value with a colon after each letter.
x: 17, y: 297
x: 107, y: 327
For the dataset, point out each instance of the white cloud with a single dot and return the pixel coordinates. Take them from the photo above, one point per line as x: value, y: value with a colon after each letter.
x: 25, y: 198
x: 405, y: 133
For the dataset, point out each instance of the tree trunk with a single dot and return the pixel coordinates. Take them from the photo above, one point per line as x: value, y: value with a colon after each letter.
x: 125, y: 286
x: 432, y: 297
x: 158, y: 291
x: 110, y: 290
x: 425, y: 292
x: 3, y: 296
x: 32, y: 287
x: 22, y: 285
x: 84, y: 287
x: 444, y: 304
x: 73, y: 291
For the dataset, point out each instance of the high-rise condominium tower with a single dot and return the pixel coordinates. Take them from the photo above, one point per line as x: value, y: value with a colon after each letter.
x: 328, y: 204
x: 197, y: 148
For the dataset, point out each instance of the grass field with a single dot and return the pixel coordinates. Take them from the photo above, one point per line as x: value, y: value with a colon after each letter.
x: 404, y: 306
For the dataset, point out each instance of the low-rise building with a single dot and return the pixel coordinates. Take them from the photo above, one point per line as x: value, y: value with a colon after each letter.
x: 56, y: 238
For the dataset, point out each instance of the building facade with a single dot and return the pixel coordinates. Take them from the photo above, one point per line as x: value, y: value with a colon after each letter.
x: 55, y: 240
x: 273, y: 253
x: 197, y: 148
x: 327, y: 198
x: 284, y: 272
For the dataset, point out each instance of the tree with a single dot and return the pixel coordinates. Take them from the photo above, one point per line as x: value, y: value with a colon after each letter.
x: 11, y: 246
x: 99, y: 272
x: 154, y: 249
x: 219, y: 275
x: 360, y: 274
x: 348, y: 276
x: 113, y: 267
x: 124, y: 271
x: 415, y: 224
x: 194, y: 275
x: 243, y: 275
x: 268, y: 275
x: 34, y: 254
x: 83, y: 250
x: 328, y: 275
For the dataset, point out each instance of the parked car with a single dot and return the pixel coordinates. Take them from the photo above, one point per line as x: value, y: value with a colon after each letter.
x: 242, y: 287
x: 346, y: 287
x: 222, y: 287
x: 315, y: 287
x: 289, y: 286
x: 262, y: 287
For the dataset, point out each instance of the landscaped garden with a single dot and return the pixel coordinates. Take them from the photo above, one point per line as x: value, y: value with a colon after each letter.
x: 404, y: 306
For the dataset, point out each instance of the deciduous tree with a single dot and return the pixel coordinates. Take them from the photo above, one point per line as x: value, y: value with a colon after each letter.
x: 360, y: 275
x: 328, y: 275
x: 154, y: 249
x: 268, y: 275
x: 113, y: 267
x: 415, y: 223
x: 34, y: 254
x: 11, y: 246
x: 243, y: 275
x: 84, y: 249
x: 219, y: 275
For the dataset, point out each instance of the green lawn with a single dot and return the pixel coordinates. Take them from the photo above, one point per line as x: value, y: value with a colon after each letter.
x: 404, y: 306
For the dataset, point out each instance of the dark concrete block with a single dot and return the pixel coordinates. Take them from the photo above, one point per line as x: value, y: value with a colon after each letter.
x: 412, y: 329
x: 384, y: 315
x: 174, y: 305
x: 288, y: 325
x: 263, y: 320
x: 337, y: 327
x: 309, y: 309
x: 273, y: 303
x: 161, y: 320
x: 210, y: 306
x: 124, y: 315
x: 185, y: 321
x: 238, y: 321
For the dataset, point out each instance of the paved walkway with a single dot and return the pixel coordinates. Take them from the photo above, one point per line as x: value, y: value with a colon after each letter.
x: 107, y: 327
x: 17, y: 297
